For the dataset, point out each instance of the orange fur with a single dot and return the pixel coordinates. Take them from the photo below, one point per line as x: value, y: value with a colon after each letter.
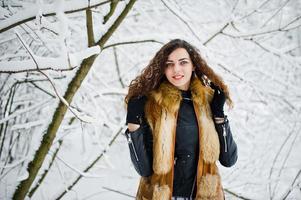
x: 161, y: 112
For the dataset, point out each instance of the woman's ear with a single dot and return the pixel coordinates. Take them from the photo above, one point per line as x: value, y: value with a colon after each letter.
x: 193, y: 73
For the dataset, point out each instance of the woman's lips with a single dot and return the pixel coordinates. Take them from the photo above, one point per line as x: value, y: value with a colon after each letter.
x: 178, y: 77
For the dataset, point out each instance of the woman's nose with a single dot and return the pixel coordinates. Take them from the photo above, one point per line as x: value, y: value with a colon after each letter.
x: 177, y: 67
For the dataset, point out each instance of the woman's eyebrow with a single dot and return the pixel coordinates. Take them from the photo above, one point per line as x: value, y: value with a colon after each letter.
x: 178, y: 60
x: 183, y: 59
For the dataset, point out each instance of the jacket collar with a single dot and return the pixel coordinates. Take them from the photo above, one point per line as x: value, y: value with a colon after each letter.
x: 169, y: 96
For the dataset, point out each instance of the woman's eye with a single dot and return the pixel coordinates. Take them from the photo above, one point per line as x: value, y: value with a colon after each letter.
x: 183, y: 62
x: 168, y: 64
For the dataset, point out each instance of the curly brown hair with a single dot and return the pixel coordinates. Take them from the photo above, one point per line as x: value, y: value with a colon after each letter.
x: 153, y: 74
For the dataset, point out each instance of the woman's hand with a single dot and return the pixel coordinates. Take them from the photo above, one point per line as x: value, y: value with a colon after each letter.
x: 218, y: 102
x: 135, y: 113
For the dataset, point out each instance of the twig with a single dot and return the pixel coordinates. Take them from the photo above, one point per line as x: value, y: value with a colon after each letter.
x: 186, y: 23
x: 254, y: 11
x: 277, y: 155
x: 236, y: 195
x: 117, y: 67
x: 27, y: 49
x: 116, y: 23
x: 116, y: 191
x: 6, y: 126
x: 130, y: 42
x: 62, y: 99
x: 4, y: 82
x: 35, y: 33
x: 40, y: 69
x: 16, y: 164
x: 113, y: 6
x: 278, y: 10
x: 217, y: 33
x: 285, y: 159
x: 76, y: 170
x: 291, y: 186
x: 293, y: 21
x: 90, y: 166
x: 190, y: 27
x: 6, y: 110
x: 21, y: 111
x: 35, y: 85
x: 89, y: 25
x: 283, y: 28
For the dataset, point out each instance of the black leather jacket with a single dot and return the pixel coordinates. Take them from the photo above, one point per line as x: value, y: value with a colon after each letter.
x: 186, y: 149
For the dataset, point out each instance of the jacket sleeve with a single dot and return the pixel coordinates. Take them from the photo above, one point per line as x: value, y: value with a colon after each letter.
x: 140, y: 146
x: 228, y: 147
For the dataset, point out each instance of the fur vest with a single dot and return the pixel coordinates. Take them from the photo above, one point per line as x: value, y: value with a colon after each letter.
x: 161, y: 110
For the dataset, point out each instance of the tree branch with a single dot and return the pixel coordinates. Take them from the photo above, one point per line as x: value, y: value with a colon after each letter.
x: 113, y: 6
x: 89, y: 24
x: 40, y: 69
x: 131, y: 42
x: 111, y: 30
x: 236, y: 195
x: 217, y: 33
x: 291, y: 186
x: 117, y: 67
x: 10, y: 26
x: 116, y: 191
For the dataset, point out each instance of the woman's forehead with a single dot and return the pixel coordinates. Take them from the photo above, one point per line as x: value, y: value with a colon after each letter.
x: 178, y: 54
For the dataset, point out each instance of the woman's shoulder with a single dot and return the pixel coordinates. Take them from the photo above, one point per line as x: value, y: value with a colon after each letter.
x: 141, y: 99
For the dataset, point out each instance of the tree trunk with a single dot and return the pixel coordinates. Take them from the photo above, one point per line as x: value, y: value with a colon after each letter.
x: 36, y: 163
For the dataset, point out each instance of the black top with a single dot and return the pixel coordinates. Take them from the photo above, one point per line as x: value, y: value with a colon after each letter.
x: 186, y: 149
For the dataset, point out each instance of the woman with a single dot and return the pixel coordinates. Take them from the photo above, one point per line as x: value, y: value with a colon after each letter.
x: 177, y: 129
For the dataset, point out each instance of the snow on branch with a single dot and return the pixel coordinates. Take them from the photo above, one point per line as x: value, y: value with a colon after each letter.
x: 25, y: 110
x: 73, y: 60
x: 30, y: 12
x: 57, y: 64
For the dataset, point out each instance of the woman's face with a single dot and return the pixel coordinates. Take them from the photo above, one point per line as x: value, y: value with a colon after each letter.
x: 179, y: 68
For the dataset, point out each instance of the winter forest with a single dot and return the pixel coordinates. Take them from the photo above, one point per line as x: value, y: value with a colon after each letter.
x: 65, y: 67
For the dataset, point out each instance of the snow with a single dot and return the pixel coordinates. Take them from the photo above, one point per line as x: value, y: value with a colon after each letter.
x: 263, y: 75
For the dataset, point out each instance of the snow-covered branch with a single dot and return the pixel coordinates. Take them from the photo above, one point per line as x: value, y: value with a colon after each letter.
x: 30, y: 11
x: 44, y: 63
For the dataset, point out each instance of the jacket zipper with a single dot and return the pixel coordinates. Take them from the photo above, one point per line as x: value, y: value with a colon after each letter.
x: 173, y: 157
x: 225, y: 135
x: 193, y: 187
x: 196, y: 184
x: 132, y: 145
